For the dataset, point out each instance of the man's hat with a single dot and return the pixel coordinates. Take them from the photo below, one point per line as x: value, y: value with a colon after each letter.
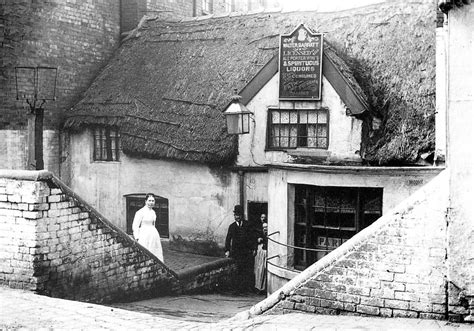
x: 238, y: 210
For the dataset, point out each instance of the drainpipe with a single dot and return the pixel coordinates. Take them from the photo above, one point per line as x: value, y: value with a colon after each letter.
x: 241, y: 187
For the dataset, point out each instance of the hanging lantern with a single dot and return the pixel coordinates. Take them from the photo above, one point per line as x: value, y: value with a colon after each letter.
x: 237, y: 116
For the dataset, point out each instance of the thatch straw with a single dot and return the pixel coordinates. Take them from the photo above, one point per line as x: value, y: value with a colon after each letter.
x: 167, y: 85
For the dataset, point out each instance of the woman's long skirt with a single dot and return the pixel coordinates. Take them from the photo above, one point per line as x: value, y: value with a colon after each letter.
x: 260, y: 269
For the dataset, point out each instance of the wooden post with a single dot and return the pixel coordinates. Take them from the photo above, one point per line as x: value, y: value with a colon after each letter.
x: 35, y: 139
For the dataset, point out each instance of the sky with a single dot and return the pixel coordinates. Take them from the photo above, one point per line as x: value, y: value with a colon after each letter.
x: 325, y: 5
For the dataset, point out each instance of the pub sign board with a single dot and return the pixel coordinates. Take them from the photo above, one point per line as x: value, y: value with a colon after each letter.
x: 301, y: 54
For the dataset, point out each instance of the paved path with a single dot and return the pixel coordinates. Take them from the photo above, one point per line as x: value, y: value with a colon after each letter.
x: 179, y: 261
x: 196, y: 307
x: 23, y: 309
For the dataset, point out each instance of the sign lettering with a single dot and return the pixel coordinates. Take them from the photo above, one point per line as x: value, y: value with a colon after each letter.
x: 301, y: 65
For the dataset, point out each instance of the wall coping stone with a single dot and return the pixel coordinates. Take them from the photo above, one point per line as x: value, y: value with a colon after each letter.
x: 187, y: 273
x: 30, y: 175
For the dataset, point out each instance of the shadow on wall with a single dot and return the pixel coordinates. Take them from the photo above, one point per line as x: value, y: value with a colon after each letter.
x: 207, y: 247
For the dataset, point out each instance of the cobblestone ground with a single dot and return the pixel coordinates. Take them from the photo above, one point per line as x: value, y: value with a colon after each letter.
x: 196, y: 308
x: 25, y: 310
x: 179, y: 261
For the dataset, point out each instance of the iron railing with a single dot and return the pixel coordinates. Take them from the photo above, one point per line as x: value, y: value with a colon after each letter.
x: 290, y: 246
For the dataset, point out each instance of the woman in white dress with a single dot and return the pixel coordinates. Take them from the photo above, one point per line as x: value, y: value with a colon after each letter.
x: 144, y: 230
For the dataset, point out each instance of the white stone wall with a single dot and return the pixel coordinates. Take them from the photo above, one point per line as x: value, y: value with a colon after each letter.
x: 345, y: 132
x: 460, y: 161
x: 14, y: 150
x: 201, y: 199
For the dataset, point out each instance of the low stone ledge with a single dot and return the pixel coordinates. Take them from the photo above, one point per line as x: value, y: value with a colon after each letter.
x: 31, y: 175
x: 189, y: 273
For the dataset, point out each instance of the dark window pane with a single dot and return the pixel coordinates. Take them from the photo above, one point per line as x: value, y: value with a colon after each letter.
x: 326, y: 217
x: 106, y: 144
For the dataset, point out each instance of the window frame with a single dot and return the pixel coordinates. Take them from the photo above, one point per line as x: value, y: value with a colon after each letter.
x: 105, y: 135
x: 269, y: 136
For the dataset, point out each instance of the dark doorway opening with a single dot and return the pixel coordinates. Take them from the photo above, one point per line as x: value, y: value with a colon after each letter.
x: 135, y: 202
x: 255, y: 209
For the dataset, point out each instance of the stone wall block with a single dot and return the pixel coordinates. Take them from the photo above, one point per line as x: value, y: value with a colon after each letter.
x: 393, y: 286
x: 332, y: 304
x: 368, y: 282
x: 386, y: 312
x: 314, y: 284
x: 396, y: 304
x: 55, y: 198
x: 372, y: 301
x: 350, y: 307
x: 344, y: 297
x: 15, y: 198
x: 358, y: 290
x: 421, y: 306
x: 408, y: 278
x: 304, y: 291
x: 407, y: 296
x: 6, y: 205
x: 54, y: 213
x: 432, y: 316
x: 32, y: 214
x: 386, y: 276
x: 368, y: 310
x: 404, y: 313
x: 325, y: 295
x: 316, y: 302
x: 384, y: 293
x: 38, y: 206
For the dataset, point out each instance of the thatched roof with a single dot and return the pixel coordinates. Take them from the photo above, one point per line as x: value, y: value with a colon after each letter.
x: 167, y: 85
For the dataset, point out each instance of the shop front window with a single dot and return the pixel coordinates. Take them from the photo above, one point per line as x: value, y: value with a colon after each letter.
x: 326, y: 217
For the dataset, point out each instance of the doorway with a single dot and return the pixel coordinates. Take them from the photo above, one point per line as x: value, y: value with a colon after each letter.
x: 254, y: 210
x: 136, y: 201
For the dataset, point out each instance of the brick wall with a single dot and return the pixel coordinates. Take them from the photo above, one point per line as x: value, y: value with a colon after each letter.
x: 13, y: 147
x: 12, y: 142
x: 179, y: 7
x: 209, y: 277
x: 133, y: 10
x: 77, y: 37
x: 53, y: 243
x: 396, y: 267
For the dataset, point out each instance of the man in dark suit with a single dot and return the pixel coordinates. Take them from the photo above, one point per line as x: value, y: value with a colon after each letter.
x: 240, y: 244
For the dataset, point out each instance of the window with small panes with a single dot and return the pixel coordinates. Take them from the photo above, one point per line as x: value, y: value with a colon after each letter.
x: 106, y: 144
x: 326, y: 217
x: 293, y: 128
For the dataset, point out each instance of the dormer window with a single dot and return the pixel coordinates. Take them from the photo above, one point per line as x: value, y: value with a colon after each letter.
x: 292, y: 128
x: 106, y: 144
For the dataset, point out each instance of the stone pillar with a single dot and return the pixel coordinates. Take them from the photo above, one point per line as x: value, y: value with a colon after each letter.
x: 460, y: 161
x: 441, y: 90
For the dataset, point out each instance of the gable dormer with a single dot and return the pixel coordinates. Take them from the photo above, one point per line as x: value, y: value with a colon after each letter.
x: 319, y: 126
